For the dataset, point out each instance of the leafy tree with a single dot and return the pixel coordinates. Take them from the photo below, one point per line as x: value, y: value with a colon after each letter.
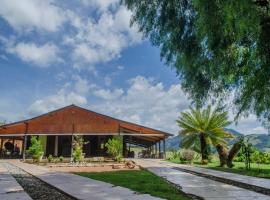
x: 201, y: 128
x: 36, y: 149
x: 114, y: 148
x: 215, y: 46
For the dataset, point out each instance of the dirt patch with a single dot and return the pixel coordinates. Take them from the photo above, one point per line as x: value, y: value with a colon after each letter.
x: 106, y: 168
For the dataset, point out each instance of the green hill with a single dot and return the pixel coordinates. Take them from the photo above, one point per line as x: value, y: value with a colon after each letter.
x: 260, y: 141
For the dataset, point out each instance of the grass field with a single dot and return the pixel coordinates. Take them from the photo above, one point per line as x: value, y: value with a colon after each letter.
x: 141, y: 181
x: 262, y: 170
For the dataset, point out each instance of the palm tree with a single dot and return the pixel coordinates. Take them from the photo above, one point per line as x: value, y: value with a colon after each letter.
x: 201, y: 128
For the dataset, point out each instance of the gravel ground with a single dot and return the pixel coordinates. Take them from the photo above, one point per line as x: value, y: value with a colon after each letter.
x: 36, y: 189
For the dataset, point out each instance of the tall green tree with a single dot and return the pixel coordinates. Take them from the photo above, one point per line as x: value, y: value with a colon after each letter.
x: 201, y: 128
x: 215, y: 46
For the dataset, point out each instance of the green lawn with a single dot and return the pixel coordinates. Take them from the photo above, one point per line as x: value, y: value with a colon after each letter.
x: 141, y: 181
x: 239, y: 168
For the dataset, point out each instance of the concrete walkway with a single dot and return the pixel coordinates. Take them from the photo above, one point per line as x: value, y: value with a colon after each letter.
x: 9, y: 188
x: 82, y: 187
x: 199, y: 186
x: 248, y: 180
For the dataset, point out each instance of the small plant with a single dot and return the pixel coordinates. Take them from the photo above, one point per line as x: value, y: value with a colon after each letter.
x: 247, y: 150
x: 78, y: 154
x: 187, y: 156
x: 50, y: 158
x: 35, y: 149
x: 114, y: 148
x: 61, y: 158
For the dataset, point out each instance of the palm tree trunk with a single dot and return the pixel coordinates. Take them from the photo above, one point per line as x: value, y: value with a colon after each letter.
x: 234, y: 150
x: 203, y: 149
x: 223, y: 155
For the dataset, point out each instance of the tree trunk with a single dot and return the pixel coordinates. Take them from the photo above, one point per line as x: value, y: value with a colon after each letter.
x: 223, y: 155
x: 203, y: 149
x: 234, y: 150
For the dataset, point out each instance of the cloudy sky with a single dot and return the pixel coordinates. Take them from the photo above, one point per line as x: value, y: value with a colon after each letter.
x: 54, y: 53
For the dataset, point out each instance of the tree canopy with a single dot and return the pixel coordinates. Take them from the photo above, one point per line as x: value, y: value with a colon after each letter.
x: 217, y: 47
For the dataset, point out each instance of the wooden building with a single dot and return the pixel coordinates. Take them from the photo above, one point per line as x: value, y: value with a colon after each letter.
x: 56, y: 130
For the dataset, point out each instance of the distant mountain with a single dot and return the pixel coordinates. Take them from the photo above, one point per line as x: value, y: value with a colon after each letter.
x: 260, y: 141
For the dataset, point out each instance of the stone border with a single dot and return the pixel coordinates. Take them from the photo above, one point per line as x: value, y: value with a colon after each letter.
x: 52, y: 186
x: 253, y: 188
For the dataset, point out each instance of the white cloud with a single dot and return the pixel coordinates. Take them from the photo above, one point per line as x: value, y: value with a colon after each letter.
x: 81, y: 86
x: 60, y: 99
x: 148, y: 103
x: 29, y: 14
x: 88, y: 37
x: 40, y: 55
x: 103, y: 39
x: 73, y: 92
x: 108, y: 94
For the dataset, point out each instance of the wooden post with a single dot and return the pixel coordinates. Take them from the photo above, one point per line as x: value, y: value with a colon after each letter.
x: 72, y: 140
x: 159, y: 149
x: 56, y: 146
x: 164, y: 149
x: 24, y: 146
x: 156, y: 150
x: 2, y: 141
x: 25, y: 140
x: 13, y: 142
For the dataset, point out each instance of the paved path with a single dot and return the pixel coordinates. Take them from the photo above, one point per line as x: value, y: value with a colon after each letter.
x: 199, y: 186
x: 82, y: 187
x: 9, y: 188
x: 248, y: 180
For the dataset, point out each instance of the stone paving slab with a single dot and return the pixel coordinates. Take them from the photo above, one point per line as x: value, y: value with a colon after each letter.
x: 82, y: 187
x: 9, y: 188
x: 260, y: 182
x: 199, y: 186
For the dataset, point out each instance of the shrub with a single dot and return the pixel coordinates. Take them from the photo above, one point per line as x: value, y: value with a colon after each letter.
x: 50, y: 158
x: 174, y: 155
x: 187, y: 156
x: 61, y: 158
x: 35, y: 149
x: 78, y: 154
x: 114, y: 148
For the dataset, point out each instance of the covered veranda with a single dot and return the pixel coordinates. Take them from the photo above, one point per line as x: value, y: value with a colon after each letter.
x: 56, y: 131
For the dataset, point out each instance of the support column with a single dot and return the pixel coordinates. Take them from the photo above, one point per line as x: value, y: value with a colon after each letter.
x: 56, y: 146
x: 164, y: 149
x: 156, y: 150
x: 124, y: 147
x: 25, y: 140
x: 159, y: 149
x: 72, y: 140
x: 1, y: 147
x: 24, y: 146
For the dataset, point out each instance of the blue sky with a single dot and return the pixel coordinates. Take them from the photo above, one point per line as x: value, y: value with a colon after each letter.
x: 55, y: 53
